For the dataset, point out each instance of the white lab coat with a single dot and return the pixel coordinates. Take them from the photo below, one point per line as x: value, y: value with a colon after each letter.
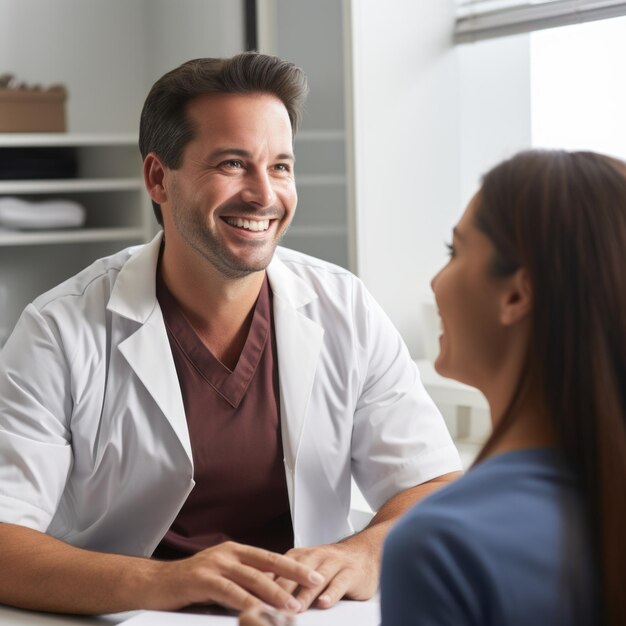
x: 94, y: 447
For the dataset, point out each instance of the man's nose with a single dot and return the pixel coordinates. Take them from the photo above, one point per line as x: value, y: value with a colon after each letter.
x: 259, y: 189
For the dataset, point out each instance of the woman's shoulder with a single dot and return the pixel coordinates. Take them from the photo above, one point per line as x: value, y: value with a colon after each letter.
x: 488, y: 547
x: 490, y: 501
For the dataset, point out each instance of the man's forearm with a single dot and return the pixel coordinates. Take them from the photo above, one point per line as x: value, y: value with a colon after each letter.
x: 42, y: 573
x: 372, y: 536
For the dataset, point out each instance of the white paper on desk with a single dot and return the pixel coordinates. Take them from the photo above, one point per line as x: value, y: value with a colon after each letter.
x: 166, y: 618
x: 344, y: 613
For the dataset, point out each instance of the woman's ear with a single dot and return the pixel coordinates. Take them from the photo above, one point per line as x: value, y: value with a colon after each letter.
x: 517, y: 299
x: 154, y: 176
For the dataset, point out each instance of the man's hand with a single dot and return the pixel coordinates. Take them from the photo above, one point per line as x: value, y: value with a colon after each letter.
x: 260, y: 616
x: 350, y: 570
x: 42, y: 573
x: 235, y: 576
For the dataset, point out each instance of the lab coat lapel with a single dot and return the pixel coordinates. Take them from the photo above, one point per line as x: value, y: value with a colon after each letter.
x: 147, y: 349
x: 148, y: 353
x: 298, y: 343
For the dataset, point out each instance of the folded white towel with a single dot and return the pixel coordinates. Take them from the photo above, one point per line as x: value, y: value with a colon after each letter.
x: 16, y: 213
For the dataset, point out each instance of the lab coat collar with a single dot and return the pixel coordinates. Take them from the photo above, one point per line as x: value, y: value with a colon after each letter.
x: 134, y: 292
x: 147, y: 350
x: 288, y: 286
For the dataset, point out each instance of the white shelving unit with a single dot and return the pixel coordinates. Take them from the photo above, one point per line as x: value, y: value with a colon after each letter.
x: 464, y: 408
x: 293, y: 29
x: 108, y: 185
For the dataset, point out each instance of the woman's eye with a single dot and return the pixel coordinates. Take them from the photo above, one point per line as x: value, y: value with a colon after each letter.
x: 450, y: 248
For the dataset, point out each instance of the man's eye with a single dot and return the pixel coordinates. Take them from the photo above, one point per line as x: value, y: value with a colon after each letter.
x: 232, y: 164
x: 282, y: 167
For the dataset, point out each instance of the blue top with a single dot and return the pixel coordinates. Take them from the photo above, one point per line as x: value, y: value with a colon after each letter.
x: 505, y: 545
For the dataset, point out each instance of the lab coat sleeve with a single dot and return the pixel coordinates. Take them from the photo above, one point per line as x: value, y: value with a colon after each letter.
x: 399, y: 438
x: 35, y: 405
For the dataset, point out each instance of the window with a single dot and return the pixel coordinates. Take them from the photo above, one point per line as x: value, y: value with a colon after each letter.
x: 553, y: 88
x: 578, y: 96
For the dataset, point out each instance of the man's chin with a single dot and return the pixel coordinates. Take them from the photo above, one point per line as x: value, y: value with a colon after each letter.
x: 238, y: 268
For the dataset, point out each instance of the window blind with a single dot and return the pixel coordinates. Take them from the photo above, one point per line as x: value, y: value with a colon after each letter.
x: 483, y: 19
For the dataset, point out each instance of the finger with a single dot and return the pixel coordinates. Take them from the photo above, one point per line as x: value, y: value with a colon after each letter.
x: 253, y: 617
x: 266, y: 616
x: 255, y: 581
x: 327, y: 595
x: 284, y: 566
x: 307, y: 595
x: 288, y: 585
x: 335, y: 591
x: 229, y: 594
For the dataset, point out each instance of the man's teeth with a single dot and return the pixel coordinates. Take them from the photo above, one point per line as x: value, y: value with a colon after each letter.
x: 248, y: 224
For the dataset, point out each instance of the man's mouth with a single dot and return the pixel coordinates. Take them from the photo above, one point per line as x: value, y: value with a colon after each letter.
x: 248, y: 224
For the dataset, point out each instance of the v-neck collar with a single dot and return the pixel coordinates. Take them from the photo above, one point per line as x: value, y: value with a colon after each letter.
x: 231, y: 385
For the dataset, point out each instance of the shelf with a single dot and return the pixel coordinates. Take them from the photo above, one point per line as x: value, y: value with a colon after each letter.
x: 317, y: 231
x: 48, y: 140
x: 323, y: 179
x: 77, y: 185
x: 79, y: 235
x: 321, y: 135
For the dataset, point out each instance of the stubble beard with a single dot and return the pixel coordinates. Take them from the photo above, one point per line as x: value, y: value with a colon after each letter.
x: 193, y: 228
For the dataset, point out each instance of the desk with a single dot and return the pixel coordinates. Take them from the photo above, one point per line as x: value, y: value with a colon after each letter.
x: 344, y: 614
x: 16, y: 617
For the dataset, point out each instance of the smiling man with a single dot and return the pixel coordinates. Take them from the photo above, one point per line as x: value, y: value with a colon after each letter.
x: 184, y: 418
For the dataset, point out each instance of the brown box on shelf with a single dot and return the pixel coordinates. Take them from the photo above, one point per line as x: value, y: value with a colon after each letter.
x: 32, y: 111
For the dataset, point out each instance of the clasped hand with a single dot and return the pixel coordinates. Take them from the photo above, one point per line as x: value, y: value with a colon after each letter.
x: 348, y: 571
x: 239, y: 576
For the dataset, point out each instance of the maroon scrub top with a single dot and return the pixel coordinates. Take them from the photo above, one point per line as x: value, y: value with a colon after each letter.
x: 233, y: 419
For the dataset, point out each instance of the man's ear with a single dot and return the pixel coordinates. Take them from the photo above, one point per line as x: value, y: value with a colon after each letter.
x: 517, y: 299
x: 154, y: 178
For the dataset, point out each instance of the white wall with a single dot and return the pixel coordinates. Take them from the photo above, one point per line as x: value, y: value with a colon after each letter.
x: 95, y: 48
x: 109, y: 52
x: 406, y: 143
x: 429, y: 119
x: 187, y: 29
x: 494, y: 106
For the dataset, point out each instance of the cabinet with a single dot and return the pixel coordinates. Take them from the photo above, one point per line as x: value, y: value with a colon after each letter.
x: 311, y: 34
x: 320, y: 223
x: 108, y: 185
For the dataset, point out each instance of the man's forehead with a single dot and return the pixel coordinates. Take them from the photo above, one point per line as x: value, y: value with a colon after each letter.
x: 236, y: 102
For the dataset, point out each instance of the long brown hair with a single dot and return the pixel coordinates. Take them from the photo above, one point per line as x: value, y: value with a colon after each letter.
x: 562, y: 216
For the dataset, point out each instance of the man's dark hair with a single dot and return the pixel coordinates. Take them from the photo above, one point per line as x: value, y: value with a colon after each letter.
x: 164, y: 126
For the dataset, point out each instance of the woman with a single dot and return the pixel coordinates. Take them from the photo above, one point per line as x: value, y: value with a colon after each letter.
x: 533, y: 311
